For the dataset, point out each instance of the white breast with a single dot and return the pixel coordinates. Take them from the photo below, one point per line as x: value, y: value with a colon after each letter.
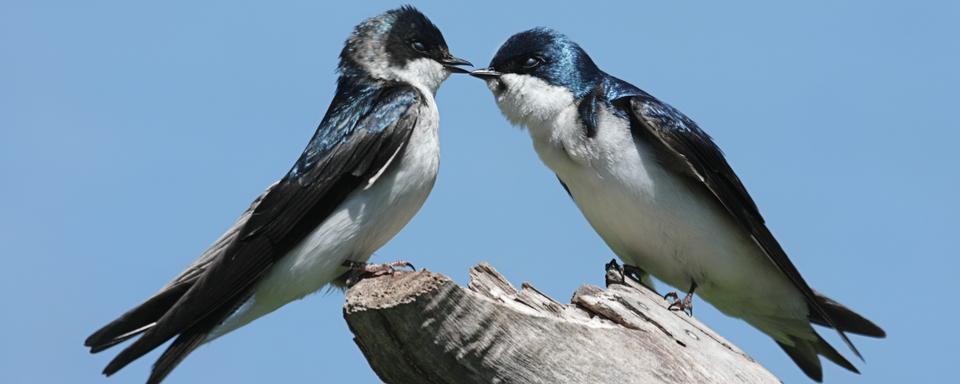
x: 649, y: 216
x: 363, y: 223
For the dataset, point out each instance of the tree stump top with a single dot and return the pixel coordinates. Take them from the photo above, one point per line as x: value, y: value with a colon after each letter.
x: 421, y: 327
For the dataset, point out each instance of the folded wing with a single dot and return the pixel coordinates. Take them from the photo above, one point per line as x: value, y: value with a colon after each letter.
x: 693, y: 153
x: 352, y: 144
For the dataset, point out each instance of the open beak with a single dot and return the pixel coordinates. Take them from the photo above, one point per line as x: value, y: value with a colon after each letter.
x: 486, y: 74
x: 451, y: 63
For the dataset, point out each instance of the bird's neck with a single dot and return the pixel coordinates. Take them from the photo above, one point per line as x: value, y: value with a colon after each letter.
x: 423, y: 73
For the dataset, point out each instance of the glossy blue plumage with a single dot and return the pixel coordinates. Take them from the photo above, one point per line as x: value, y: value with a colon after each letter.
x: 671, y: 184
x: 355, y: 100
x: 365, y: 172
x: 569, y: 66
x: 566, y: 65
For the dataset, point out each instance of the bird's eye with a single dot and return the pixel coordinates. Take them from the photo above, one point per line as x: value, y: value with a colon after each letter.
x: 418, y: 46
x: 532, y: 62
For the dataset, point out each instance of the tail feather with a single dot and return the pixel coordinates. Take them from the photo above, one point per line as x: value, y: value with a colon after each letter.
x: 805, y: 357
x: 805, y: 353
x: 143, y: 345
x: 844, y: 318
x: 136, y: 320
x: 106, y: 344
x: 175, y: 353
x: 826, y: 350
x: 189, y: 340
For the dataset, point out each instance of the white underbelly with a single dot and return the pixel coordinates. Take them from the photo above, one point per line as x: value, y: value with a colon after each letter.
x: 658, y: 220
x: 657, y: 226
x: 363, y: 223
x: 681, y: 237
x: 650, y: 217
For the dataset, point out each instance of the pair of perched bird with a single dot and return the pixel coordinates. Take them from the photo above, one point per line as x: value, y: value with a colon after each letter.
x: 650, y: 182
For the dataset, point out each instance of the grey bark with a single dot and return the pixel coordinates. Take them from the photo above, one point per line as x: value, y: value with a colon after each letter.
x: 421, y: 327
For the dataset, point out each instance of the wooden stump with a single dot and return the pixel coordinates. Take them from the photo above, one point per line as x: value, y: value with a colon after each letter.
x: 421, y: 327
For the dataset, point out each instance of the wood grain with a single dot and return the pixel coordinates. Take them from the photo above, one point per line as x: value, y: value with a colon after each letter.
x: 421, y: 327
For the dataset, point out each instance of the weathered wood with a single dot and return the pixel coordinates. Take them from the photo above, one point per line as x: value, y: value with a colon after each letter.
x: 421, y: 327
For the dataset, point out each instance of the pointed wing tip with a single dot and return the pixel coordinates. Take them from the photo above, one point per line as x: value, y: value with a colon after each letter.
x: 94, y: 339
x: 850, y: 345
x: 112, y: 368
x: 134, y: 351
x: 96, y: 344
x: 873, y: 330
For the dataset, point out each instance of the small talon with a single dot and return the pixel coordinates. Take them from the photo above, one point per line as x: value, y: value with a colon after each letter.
x: 359, y: 271
x: 685, y: 305
x: 406, y: 264
x: 688, y: 304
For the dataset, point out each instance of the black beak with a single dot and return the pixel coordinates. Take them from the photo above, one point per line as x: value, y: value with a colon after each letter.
x: 451, y: 63
x: 486, y: 74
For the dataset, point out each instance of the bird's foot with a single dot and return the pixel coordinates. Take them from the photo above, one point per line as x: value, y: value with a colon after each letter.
x: 685, y: 305
x: 359, y: 271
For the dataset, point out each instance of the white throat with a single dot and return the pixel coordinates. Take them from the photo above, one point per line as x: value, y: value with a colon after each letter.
x: 424, y: 73
x: 530, y: 102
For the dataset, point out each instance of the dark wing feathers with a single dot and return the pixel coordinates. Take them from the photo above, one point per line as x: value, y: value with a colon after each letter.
x: 146, y: 314
x: 186, y: 342
x: 136, y: 320
x: 806, y: 354
x: 351, y: 145
x: 694, y: 151
x: 849, y: 320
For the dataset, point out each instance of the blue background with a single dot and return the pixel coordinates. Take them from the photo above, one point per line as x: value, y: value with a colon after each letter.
x: 132, y: 135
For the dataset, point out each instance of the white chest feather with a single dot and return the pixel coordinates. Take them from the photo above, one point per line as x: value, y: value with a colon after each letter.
x: 366, y: 220
x: 363, y: 223
x: 650, y: 217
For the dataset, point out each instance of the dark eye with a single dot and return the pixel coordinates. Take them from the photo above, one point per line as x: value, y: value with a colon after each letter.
x: 532, y: 62
x: 418, y: 46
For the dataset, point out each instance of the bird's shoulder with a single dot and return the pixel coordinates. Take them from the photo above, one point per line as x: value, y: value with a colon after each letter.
x: 684, y: 147
x: 603, y: 95
x: 358, y: 113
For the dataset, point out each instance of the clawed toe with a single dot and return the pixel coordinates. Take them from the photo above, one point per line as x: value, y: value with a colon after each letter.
x: 359, y: 271
x: 685, y: 305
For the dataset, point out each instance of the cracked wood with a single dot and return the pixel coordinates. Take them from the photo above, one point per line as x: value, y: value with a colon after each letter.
x: 421, y: 327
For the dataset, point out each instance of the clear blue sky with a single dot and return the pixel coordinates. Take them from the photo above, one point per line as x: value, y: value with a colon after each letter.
x: 132, y: 135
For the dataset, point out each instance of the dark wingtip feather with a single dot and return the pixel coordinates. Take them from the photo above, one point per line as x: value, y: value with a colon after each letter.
x: 142, y: 346
x: 845, y: 318
x: 104, y: 345
x: 846, y: 340
x: 826, y: 350
x: 136, y: 320
x: 806, y: 355
x: 174, y: 354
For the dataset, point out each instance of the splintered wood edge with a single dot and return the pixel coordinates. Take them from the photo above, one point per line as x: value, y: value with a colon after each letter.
x: 625, y: 305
